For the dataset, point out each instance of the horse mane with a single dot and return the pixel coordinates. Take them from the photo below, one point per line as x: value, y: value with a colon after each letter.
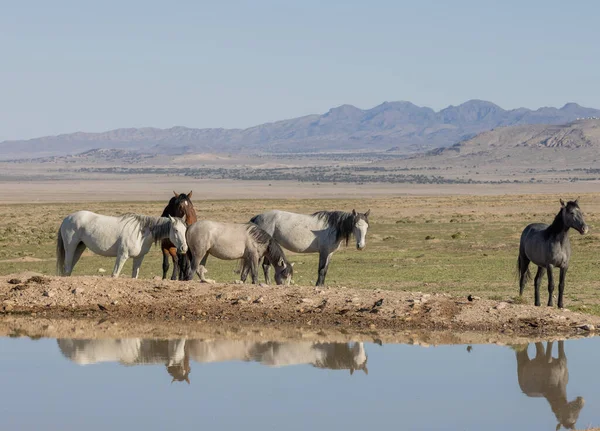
x: 558, y: 224
x: 341, y: 358
x: 274, y: 251
x: 341, y: 221
x: 158, y: 226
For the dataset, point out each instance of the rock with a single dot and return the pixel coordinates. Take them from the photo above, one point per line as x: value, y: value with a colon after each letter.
x: 473, y: 298
x: 77, y: 291
x: 115, y: 302
x: 101, y: 270
x: 238, y: 282
x: 263, y: 285
x: 588, y: 327
x: 156, y: 278
x: 14, y: 281
x: 258, y: 300
x: 306, y: 300
x: 48, y: 293
x: 501, y: 305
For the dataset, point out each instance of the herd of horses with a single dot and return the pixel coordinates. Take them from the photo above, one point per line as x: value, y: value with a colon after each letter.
x: 187, y: 241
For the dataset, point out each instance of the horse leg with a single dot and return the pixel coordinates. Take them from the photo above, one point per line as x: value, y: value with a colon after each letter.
x: 245, y: 269
x: 561, y: 285
x: 536, y: 283
x: 266, y: 265
x: 174, y: 257
x: 523, y: 272
x: 165, y: 265
x: 550, y: 286
x: 561, y: 350
x: 254, y: 261
x: 77, y: 255
x: 137, y: 262
x: 183, y: 266
x: 539, y: 351
x: 121, y: 258
x: 202, y: 270
x: 549, y: 346
x: 324, y: 258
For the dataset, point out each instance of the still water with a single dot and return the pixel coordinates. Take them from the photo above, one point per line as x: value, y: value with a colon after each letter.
x: 135, y: 384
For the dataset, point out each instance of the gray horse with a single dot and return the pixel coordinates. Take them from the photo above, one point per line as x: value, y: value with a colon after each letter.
x: 229, y: 241
x: 321, y: 232
x: 548, y: 246
x: 545, y: 376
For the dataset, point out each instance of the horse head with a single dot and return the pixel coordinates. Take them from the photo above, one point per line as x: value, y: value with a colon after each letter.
x: 284, y: 271
x: 177, y: 234
x: 573, y: 216
x: 361, y: 225
x: 569, y: 414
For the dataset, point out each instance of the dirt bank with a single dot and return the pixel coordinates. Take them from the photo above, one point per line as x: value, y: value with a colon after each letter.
x: 190, y: 303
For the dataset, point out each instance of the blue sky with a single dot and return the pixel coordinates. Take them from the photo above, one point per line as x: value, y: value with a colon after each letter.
x: 93, y: 66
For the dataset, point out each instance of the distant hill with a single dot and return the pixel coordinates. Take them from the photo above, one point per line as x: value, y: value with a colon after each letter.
x: 568, y: 146
x: 400, y: 126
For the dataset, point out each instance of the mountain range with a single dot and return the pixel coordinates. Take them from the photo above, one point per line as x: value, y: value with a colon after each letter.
x: 401, y: 127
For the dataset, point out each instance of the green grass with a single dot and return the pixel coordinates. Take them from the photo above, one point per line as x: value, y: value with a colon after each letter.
x: 471, y: 251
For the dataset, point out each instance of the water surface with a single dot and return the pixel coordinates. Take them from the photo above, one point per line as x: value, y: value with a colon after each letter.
x: 224, y: 384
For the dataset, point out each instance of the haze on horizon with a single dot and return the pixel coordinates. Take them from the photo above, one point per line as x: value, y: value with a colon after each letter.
x: 73, y: 66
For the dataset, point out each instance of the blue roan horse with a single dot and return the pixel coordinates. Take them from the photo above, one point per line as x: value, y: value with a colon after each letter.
x: 549, y: 247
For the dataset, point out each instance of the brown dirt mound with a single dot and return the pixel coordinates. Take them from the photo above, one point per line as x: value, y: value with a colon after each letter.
x: 130, y: 300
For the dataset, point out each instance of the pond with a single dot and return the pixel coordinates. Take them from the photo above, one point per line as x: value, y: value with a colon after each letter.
x: 221, y: 384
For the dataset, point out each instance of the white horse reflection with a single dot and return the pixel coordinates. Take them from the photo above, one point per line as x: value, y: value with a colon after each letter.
x: 176, y: 354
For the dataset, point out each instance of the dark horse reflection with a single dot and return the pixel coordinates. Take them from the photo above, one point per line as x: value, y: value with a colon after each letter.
x: 546, y: 376
x: 176, y: 354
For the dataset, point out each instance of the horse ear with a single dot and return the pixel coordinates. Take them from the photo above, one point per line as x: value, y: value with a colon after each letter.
x: 353, y: 212
x: 367, y: 213
x: 557, y: 426
x: 175, y: 193
x: 351, y: 371
x: 562, y: 203
x: 170, y: 218
x: 187, y: 379
x: 366, y: 370
x: 183, y: 218
x: 281, y: 262
x: 292, y: 264
x: 190, y: 194
x: 577, y: 201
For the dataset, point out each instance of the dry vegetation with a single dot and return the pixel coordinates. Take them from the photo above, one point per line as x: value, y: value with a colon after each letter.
x: 446, y: 244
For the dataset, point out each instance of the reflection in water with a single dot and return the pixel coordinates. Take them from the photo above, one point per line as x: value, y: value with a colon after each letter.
x: 176, y: 354
x: 546, y: 376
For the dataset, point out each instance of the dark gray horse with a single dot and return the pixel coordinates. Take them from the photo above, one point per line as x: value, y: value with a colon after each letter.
x: 545, y: 376
x: 547, y: 247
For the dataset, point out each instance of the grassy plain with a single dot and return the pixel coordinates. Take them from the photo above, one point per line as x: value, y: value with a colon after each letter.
x: 455, y: 244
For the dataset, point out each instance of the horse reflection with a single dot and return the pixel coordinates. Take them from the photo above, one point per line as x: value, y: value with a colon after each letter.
x: 176, y: 354
x: 546, y: 376
x: 133, y: 351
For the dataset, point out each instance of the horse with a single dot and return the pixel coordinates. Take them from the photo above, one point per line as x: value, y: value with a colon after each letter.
x: 229, y: 241
x: 179, y: 206
x: 130, y: 235
x: 321, y: 232
x: 546, y: 376
x: 548, y: 246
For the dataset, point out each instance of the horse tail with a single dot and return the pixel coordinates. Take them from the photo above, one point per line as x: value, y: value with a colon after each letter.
x: 520, y: 264
x: 60, y: 254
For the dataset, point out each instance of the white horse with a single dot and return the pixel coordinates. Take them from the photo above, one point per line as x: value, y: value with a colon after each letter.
x: 321, y: 232
x: 130, y: 235
x: 230, y: 241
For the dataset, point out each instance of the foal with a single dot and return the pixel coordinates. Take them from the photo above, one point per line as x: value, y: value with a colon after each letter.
x: 549, y: 246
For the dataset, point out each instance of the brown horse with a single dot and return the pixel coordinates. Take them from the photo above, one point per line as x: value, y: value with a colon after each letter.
x: 179, y: 206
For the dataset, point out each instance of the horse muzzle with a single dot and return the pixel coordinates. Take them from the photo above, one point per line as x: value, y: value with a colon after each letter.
x: 360, y: 246
x: 182, y: 250
x: 585, y: 229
